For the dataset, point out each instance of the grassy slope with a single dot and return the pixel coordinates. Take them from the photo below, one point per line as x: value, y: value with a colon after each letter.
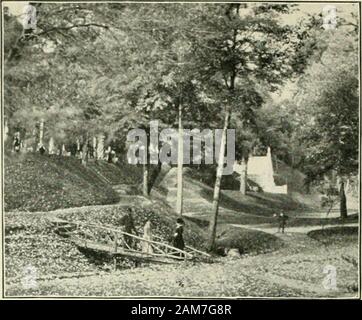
x: 293, y: 177
x: 235, y: 208
x: 255, y: 203
x: 295, y: 200
x: 250, y: 209
x: 42, y: 183
x: 282, y: 174
x: 118, y: 174
x: 198, y: 197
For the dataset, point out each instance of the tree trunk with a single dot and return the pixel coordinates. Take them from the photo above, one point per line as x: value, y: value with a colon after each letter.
x: 85, y: 151
x: 180, y: 155
x: 343, y: 202
x: 100, y: 147
x: 243, y: 176
x: 220, y: 167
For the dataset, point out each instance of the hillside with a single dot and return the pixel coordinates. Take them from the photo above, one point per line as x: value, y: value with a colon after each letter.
x: 122, y: 173
x: 198, y: 197
x: 41, y: 183
x: 284, y: 174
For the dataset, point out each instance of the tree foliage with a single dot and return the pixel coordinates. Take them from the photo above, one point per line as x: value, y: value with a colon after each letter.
x: 327, y: 108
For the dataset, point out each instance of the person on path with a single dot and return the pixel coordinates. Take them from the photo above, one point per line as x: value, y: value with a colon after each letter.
x: 129, y: 227
x: 178, y: 240
x: 16, y: 143
x: 42, y: 150
x: 282, y: 220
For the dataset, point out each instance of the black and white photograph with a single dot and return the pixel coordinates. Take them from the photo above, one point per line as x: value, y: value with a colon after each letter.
x: 180, y: 149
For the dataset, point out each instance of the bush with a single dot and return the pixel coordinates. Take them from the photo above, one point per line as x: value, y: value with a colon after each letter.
x: 335, y: 235
x: 247, y: 241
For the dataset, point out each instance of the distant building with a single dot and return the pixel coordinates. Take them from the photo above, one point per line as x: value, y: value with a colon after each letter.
x: 260, y: 170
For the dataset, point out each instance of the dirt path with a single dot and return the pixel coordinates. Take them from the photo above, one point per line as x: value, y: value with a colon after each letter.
x: 289, y: 230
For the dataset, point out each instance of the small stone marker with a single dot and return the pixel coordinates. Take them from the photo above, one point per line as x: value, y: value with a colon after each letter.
x: 233, y: 253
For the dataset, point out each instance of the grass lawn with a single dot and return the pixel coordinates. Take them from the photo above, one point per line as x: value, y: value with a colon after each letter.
x: 260, y: 203
x: 199, y: 196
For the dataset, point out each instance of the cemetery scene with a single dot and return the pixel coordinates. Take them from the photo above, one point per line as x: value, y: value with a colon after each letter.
x: 181, y: 149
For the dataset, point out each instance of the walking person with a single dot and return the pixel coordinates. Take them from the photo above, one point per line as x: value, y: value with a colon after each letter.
x: 282, y: 220
x: 42, y: 150
x: 147, y: 235
x: 178, y: 240
x: 17, y: 143
x: 128, y: 224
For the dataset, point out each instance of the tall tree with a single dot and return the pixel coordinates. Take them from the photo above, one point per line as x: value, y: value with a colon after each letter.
x: 244, y: 48
x: 327, y: 111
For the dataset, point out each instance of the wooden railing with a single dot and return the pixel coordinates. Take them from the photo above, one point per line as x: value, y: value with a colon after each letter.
x: 118, y: 239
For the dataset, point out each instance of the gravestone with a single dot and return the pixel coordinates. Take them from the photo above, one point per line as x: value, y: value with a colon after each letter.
x: 100, y: 147
x: 51, y: 148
